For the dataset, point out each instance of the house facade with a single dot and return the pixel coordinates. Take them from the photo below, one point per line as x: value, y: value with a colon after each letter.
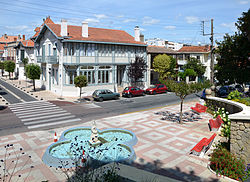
x: 24, y: 49
x: 202, y: 53
x: 102, y: 55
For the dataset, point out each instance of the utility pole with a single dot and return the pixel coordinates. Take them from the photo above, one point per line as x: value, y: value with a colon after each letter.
x: 212, y: 44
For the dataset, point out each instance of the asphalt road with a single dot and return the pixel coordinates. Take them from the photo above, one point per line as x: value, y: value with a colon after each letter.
x: 10, y: 124
x: 8, y: 96
x: 17, y: 92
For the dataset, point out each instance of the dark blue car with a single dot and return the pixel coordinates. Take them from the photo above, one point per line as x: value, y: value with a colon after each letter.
x: 224, y: 91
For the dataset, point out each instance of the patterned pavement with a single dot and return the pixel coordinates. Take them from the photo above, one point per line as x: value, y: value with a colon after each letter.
x: 163, y: 146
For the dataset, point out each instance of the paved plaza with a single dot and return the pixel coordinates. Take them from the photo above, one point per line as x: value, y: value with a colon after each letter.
x: 163, y: 146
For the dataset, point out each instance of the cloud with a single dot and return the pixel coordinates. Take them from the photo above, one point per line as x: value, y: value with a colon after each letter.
x: 191, y: 19
x: 231, y: 26
x: 129, y: 20
x: 18, y: 27
x: 244, y: 2
x: 92, y: 20
x: 100, y: 16
x: 149, y: 21
x: 170, y: 27
x: 142, y: 29
x: 120, y: 16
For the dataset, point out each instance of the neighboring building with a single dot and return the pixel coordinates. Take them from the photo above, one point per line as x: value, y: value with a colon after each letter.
x: 164, y: 43
x: 156, y: 42
x: 203, y: 53
x: 24, y: 49
x: 152, y: 52
x: 9, y: 48
x: 103, y: 55
x: 173, y: 45
x: 3, y: 42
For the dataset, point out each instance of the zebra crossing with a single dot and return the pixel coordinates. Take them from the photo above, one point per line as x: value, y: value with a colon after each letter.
x: 39, y: 114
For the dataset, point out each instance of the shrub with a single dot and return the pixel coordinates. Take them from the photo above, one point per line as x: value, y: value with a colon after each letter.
x: 225, y: 131
x: 225, y: 163
x: 234, y: 95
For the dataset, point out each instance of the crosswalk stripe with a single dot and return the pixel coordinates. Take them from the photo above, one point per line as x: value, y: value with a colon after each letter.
x: 42, y: 114
x: 36, y: 107
x: 48, y: 120
x: 37, y: 114
x: 32, y: 105
x: 43, y: 117
x: 54, y: 123
x: 39, y: 111
x: 24, y: 103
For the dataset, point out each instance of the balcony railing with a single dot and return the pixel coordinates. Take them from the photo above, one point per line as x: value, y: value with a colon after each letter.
x: 48, y: 59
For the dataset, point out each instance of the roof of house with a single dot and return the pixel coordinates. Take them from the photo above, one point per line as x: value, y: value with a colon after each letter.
x: 37, y: 29
x: 2, y: 47
x: 8, y: 38
x: 28, y: 43
x: 194, y: 49
x: 160, y: 50
x: 95, y: 34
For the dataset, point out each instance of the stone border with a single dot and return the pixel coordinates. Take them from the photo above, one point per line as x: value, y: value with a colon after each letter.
x: 244, y: 114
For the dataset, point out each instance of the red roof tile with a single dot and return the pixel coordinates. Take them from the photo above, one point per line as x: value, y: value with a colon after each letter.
x: 8, y: 38
x: 28, y: 43
x: 95, y: 34
x: 194, y: 49
x: 37, y: 29
x: 2, y: 47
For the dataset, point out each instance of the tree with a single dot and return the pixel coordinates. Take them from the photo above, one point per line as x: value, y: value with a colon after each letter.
x: 9, y: 66
x: 2, y: 67
x: 25, y: 61
x: 33, y: 72
x: 80, y: 81
x: 196, y: 66
x: 137, y: 69
x: 233, y: 54
x: 164, y: 65
x: 183, y: 89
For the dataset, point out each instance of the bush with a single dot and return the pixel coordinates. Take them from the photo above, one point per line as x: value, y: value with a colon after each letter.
x: 234, y: 95
x: 225, y: 163
x: 225, y: 131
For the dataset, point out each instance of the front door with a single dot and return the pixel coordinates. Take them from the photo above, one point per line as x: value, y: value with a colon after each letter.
x: 120, y: 74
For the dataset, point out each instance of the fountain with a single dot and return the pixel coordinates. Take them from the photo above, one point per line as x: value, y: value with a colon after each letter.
x: 99, y: 146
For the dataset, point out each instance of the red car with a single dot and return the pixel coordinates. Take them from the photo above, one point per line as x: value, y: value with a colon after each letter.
x: 156, y: 89
x: 132, y: 91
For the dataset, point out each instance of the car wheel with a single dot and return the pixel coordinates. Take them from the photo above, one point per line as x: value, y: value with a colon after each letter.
x: 143, y: 94
x: 100, y: 99
x: 154, y: 92
x: 117, y: 97
x: 130, y: 95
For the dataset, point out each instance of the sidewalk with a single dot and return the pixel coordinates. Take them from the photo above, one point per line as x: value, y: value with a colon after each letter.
x: 162, y: 147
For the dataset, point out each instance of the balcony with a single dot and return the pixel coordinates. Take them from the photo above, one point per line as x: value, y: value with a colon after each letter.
x: 182, y: 62
x: 48, y: 59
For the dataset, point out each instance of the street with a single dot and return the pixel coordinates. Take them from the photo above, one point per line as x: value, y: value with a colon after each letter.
x: 43, y: 115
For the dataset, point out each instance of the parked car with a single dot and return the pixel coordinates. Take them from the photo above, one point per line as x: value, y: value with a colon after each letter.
x: 239, y: 88
x: 224, y: 91
x: 104, y: 94
x: 132, y: 91
x: 158, y: 88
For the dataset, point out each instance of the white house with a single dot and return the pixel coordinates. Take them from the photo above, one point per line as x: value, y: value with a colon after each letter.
x: 24, y: 49
x: 103, y: 55
x: 203, y: 53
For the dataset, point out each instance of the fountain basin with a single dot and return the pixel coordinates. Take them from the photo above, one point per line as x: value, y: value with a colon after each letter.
x: 116, y: 146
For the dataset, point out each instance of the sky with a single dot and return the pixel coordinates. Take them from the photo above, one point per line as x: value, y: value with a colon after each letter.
x: 172, y: 20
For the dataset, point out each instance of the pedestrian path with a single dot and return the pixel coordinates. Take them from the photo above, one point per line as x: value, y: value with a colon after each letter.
x: 39, y: 114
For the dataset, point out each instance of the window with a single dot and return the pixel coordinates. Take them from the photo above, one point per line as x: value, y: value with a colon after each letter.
x: 89, y: 72
x: 22, y: 55
x: 104, y: 74
x: 198, y: 57
x: 49, y: 51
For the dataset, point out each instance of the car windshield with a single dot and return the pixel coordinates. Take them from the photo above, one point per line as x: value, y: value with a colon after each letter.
x: 153, y: 86
x: 126, y: 88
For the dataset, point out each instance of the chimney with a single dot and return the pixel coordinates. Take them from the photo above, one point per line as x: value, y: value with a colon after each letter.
x: 5, y: 36
x: 137, y: 33
x: 85, y: 29
x: 142, y: 38
x: 19, y: 37
x: 23, y: 37
x: 64, y: 28
x: 15, y: 39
